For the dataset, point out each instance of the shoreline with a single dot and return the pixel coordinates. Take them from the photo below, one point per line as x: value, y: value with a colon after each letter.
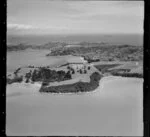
x: 30, y: 86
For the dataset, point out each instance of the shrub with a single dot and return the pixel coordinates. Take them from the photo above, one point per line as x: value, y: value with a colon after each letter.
x: 68, y: 67
x: 15, y: 80
x: 27, y: 80
x: 68, y: 75
x: 73, y: 72
x: 89, y: 67
x: 28, y: 75
x: 137, y: 75
x: 85, y: 71
x: 80, y: 71
x: 45, y: 83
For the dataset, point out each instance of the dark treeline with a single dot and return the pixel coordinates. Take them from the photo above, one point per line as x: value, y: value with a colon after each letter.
x: 76, y: 87
x: 42, y: 74
x: 47, y: 75
x: 15, y: 80
x: 136, y: 75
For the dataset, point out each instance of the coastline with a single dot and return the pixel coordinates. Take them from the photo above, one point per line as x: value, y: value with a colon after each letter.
x: 34, y: 88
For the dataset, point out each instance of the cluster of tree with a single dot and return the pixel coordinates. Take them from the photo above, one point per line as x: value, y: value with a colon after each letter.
x: 30, y: 66
x: 47, y: 75
x: 28, y: 76
x: 71, y: 70
x: 42, y: 74
x: 16, y: 79
x: 76, y: 87
x: 89, y: 67
x: 137, y: 75
x: 121, y: 70
x: 16, y: 71
x: 82, y: 71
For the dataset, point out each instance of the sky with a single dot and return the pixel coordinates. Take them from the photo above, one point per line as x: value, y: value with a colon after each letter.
x: 42, y: 17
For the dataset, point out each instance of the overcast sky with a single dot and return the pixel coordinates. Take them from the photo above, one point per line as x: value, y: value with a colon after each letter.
x: 74, y: 17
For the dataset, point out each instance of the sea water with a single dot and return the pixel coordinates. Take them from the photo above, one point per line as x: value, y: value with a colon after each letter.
x: 115, y: 108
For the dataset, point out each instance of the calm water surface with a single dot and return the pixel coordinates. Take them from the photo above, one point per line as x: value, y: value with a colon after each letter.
x: 110, y: 110
x: 32, y: 57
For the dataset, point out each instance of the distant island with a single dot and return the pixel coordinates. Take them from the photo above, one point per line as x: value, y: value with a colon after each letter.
x: 99, y: 52
x: 92, y: 52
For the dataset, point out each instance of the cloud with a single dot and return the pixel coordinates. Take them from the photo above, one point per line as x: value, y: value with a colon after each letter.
x: 20, y: 26
x: 30, y: 27
x: 74, y: 17
x: 108, y: 8
x: 24, y: 29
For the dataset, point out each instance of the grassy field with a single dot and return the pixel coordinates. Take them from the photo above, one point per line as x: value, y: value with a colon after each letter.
x: 128, y: 69
x: 105, y: 67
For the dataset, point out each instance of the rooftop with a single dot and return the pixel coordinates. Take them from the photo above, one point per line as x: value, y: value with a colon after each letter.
x: 76, y: 60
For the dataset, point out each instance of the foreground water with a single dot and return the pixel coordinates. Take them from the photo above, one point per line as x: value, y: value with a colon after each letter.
x: 115, y: 108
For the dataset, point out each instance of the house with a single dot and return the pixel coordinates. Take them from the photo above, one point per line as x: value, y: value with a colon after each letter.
x: 76, y: 62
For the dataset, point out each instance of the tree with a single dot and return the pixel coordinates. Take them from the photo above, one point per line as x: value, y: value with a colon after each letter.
x: 68, y: 67
x: 85, y: 71
x: 45, y: 83
x: 81, y: 71
x: 68, y: 75
x: 33, y: 78
x: 73, y: 72
x: 28, y: 75
x: 27, y: 80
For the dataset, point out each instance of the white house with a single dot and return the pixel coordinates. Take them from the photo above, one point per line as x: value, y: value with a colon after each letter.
x: 76, y: 62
